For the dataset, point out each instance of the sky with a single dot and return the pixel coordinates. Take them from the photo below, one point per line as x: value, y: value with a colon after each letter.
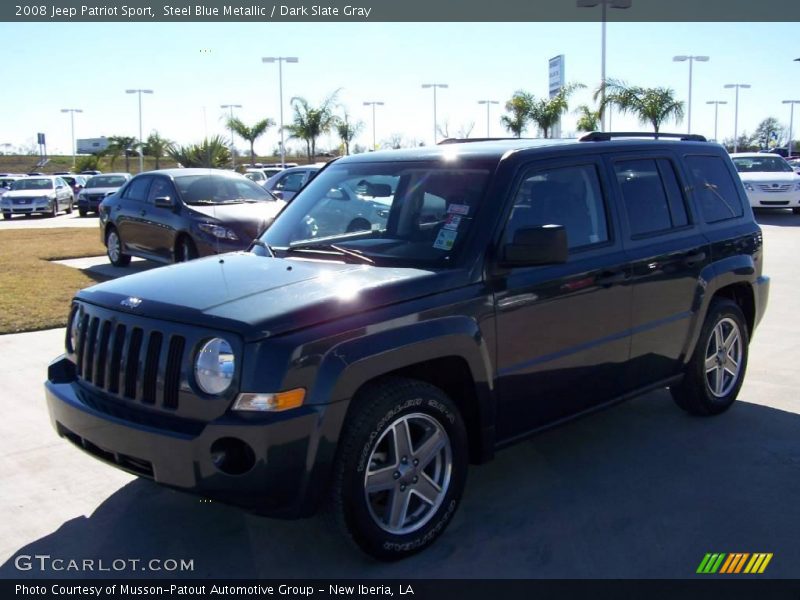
x: 194, y: 68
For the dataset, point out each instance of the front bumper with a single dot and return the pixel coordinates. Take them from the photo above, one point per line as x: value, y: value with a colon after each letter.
x: 156, y: 447
x: 789, y: 199
x: 26, y: 209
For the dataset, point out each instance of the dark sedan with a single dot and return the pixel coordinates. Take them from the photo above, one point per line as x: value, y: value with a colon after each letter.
x: 175, y: 215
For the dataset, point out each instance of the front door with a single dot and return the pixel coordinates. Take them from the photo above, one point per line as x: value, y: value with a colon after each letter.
x: 562, y: 330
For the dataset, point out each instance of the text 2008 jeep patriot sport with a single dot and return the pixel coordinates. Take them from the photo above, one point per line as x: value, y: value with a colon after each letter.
x: 408, y: 313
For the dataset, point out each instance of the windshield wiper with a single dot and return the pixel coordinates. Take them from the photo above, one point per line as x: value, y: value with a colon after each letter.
x: 345, y: 252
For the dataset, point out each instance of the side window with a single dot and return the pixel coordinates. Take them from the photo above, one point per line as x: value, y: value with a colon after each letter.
x: 291, y: 182
x: 651, y: 195
x: 137, y: 189
x: 714, y: 189
x: 568, y: 196
x: 160, y: 188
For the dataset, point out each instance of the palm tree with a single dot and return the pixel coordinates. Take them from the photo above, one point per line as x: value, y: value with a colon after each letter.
x: 347, y: 131
x: 251, y: 134
x: 588, y: 119
x: 650, y: 105
x: 310, y: 122
x: 156, y: 146
x: 546, y: 112
x: 117, y: 145
x: 211, y: 153
x: 520, y: 107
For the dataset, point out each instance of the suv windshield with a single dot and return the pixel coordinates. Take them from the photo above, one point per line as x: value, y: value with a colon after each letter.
x: 767, y: 164
x: 33, y: 184
x: 106, y: 181
x: 219, y: 189
x: 398, y: 213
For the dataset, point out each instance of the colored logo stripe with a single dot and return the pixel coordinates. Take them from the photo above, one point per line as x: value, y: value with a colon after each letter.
x: 733, y: 563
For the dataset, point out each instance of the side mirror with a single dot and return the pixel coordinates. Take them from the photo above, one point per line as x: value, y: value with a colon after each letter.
x: 545, y: 245
x: 278, y: 194
x: 163, y: 202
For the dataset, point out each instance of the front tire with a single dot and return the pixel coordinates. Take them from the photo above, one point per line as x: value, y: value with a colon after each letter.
x: 185, y: 250
x: 716, y: 370
x: 796, y: 211
x: 401, y: 468
x: 114, y: 249
x: 53, y: 212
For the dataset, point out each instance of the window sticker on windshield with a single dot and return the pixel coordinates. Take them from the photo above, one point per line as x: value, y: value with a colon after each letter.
x: 452, y: 222
x: 458, y: 209
x: 445, y: 239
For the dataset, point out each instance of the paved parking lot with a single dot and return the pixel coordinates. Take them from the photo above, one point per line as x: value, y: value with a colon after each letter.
x: 640, y: 490
x: 41, y: 221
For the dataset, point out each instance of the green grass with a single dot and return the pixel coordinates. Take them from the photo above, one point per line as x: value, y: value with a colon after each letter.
x: 35, y: 293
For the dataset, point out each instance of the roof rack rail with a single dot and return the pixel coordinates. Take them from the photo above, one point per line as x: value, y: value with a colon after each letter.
x: 605, y: 136
x: 484, y: 139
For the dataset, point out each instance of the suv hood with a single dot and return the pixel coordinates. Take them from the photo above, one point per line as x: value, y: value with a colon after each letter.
x: 260, y: 297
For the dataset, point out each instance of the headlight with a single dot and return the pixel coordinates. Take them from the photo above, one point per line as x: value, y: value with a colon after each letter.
x: 218, y: 231
x: 74, y: 328
x: 214, y: 366
x: 749, y: 187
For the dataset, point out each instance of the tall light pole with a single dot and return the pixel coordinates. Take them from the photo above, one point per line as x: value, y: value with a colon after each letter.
x: 716, y: 104
x: 691, y: 59
x: 743, y: 86
x: 72, y: 112
x: 141, y: 141
x: 791, y: 122
x: 231, y: 107
x: 621, y: 4
x: 434, y: 86
x: 280, y: 60
x: 488, y: 103
x: 373, y: 103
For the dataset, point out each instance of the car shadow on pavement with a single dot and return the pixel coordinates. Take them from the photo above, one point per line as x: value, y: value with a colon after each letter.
x: 781, y: 218
x: 641, y: 490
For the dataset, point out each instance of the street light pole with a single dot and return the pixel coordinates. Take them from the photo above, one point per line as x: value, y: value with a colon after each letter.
x: 488, y: 103
x: 141, y: 141
x: 744, y: 86
x: 691, y: 59
x: 373, y: 103
x: 233, y: 154
x: 716, y: 104
x: 621, y: 4
x: 280, y: 60
x: 791, y: 103
x: 72, y: 112
x: 434, y: 86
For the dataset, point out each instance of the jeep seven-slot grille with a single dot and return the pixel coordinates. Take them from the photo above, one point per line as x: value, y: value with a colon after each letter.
x: 130, y: 361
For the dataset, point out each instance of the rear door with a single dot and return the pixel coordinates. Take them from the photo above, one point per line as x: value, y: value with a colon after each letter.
x: 668, y: 253
x: 562, y: 330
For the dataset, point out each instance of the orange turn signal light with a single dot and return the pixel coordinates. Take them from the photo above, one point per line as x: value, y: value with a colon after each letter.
x: 270, y: 402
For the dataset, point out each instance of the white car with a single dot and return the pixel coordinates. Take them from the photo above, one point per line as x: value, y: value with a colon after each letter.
x: 770, y: 182
x: 44, y: 195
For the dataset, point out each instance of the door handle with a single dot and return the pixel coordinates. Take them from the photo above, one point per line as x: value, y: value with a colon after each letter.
x: 609, y: 278
x: 694, y: 258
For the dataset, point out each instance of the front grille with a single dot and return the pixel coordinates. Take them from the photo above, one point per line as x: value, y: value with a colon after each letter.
x: 94, y: 197
x: 771, y: 187
x: 130, y: 361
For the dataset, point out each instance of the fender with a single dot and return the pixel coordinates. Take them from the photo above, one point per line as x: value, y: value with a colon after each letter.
x: 728, y: 271
x: 350, y: 364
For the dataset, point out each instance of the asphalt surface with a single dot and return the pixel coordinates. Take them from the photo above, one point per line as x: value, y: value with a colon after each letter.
x: 44, y: 222
x: 638, y: 491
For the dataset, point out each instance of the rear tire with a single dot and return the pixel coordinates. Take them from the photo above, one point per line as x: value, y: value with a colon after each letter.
x: 400, y: 469
x: 69, y: 207
x: 114, y: 249
x: 7, y: 216
x: 83, y: 212
x: 358, y: 224
x: 716, y: 370
x: 796, y: 211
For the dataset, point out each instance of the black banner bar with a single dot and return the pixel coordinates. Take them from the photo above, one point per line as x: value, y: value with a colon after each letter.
x: 151, y: 11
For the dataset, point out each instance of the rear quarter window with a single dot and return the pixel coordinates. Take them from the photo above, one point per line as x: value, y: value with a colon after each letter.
x: 714, y: 188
